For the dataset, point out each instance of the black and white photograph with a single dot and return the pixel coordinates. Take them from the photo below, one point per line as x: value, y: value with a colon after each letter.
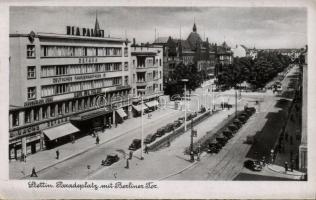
x: 160, y: 93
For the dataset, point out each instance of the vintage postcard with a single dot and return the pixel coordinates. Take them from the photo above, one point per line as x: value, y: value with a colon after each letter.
x: 167, y: 100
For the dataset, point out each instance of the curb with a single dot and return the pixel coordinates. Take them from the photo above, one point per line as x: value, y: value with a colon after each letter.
x: 81, y: 152
x: 283, y: 172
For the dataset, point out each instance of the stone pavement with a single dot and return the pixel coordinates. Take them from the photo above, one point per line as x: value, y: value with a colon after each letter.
x: 47, y: 158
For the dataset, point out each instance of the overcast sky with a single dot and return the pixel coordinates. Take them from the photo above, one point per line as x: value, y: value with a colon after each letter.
x: 262, y: 27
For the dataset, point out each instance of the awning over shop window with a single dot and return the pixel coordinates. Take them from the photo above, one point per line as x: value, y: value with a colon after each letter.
x: 121, y: 113
x: 60, y: 131
x: 151, y: 104
x: 138, y: 108
x: 92, y: 114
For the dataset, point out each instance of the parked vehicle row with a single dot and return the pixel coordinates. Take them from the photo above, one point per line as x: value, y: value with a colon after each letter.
x: 230, y: 131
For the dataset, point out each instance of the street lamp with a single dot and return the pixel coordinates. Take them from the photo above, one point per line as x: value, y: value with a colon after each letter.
x: 185, y: 103
x: 142, y: 113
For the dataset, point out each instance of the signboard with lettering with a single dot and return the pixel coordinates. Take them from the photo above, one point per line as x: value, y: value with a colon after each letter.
x: 23, y: 131
x: 87, y: 93
x: 38, y: 102
x: 78, y: 78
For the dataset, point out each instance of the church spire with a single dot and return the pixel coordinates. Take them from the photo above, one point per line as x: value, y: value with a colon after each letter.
x: 194, y: 26
x: 96, y: 26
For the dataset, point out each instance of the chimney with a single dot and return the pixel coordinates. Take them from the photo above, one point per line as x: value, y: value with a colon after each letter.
x: 68, y: 30
x: 134, y: 41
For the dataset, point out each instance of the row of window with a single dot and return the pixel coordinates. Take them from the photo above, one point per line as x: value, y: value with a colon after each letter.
x: 72, y: 51
x: 60, y: 70
x: 57, y: 109
x: 50, y: 90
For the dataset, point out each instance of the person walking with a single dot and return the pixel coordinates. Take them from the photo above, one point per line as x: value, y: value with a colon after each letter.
x: 292, y: 165
x: 286, y: 167
x: 146, y: 149
x: 130, y: 155
x: 97, y: 140
x: 57, y: 154
x: 127, y: 164
x: 34, y: 174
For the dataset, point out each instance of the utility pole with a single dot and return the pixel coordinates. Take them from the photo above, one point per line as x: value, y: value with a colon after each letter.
x: 235, y: 102
x: 185, y: 104
x: 191, y: 143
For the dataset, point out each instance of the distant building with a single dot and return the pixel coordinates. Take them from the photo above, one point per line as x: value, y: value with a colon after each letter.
x: 64, y: 83
x: 239, y: 51
x: 192, y: 50
x: 147, y: 71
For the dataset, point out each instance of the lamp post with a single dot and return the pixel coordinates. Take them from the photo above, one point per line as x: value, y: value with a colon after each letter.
x: 185, y: 103
x: 142, y: 113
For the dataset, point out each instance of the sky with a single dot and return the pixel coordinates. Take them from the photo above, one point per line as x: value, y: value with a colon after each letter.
x: 262, y: 27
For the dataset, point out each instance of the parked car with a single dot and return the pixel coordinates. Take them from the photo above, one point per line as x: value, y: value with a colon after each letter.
x: 242, y: 119
x: 233, y: 128
x: 110, y: 159
x: 250, y: 110
x: 228, y: 134
x: 194, y: 114
x: 149, y: 138
x: 177, y: 123
x: 237, y: 123
x: 189, y: 117
x: 181, y: 119
x: 253, y: 165
x: 222, y: 140
x: 160, y: 132
x: 136, y: 144
x: 169, y: 127
x: 214, y: 147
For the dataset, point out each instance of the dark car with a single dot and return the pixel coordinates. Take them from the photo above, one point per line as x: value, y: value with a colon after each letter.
x: 177, y: 123
x: 189, y: 117
x: 253, y: 165
x: 250, y: 110
x: 169, y: 127
x: 237, y: 123
x: 222, y: 140
x: 242, y: 119
x: 150, y: 138
x: 233, y: 128
x: 110, y: 159
x: 136, y: 144
x: 214, y: 147
x: 228, y: 134
x: 160, y: 132
x: 194, y: 114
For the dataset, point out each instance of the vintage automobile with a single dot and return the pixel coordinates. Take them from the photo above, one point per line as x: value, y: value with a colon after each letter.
x: 237, y: 123
x: 110, y: 159
x: 233, y: 128
x: 242, y: 119
x: 160, y: 132
x: 227, y: 133
x: 177, y: 123
x: 253, y: 165
x: 181, y: 119
x: 136, y: 144
x: 169, y: 127
x: 250, y: 110
x: 149, y: 138
x: 222, y: 140
x: 214, y: 147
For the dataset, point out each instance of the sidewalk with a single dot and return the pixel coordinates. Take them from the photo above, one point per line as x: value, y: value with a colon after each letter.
x: 47, y: 158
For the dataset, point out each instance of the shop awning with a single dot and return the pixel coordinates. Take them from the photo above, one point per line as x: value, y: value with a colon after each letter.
x: 151, y: 104
x: 121, y: 113
x: 60, y: 131
x: 138, y: 108
x: 92, y: 114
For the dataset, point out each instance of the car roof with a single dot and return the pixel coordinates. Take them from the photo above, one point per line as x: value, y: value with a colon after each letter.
x: 112, y: 154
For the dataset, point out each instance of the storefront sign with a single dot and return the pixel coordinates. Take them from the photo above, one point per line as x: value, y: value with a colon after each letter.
x: 38, y: 102
x: 62, y: 79
x: 88, y: 60
x: 122, y: 87
x: 87, y: 93
x: 24, y: 131
x: 88, y: 76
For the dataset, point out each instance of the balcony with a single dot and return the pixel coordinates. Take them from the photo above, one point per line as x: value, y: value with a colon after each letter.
x: 141, y: 83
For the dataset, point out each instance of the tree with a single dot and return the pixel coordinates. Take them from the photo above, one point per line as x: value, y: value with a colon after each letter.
x: 182, y: 71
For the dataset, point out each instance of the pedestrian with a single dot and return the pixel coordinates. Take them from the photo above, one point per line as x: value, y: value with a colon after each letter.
x: 33, y: 172
x: 146, y: 149
x: 127, y: 164
x: 263, y: 161
x: 57, y: 154
x: 97, y: 140
x: 130, y: 155
x: 285, y: 166
x: 72, y: 139
x: 115, y: 175
x: 292, y: 165
x: 22, y: 157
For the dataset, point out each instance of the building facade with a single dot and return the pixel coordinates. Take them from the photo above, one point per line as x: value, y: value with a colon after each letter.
x: 147, y: 73
x: 78, y: 81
